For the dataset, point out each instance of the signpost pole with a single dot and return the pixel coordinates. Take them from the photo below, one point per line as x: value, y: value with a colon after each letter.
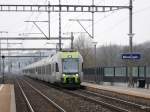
x: 130, y: 45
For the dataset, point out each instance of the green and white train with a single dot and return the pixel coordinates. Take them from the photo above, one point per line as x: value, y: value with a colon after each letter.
x: 64, y: 68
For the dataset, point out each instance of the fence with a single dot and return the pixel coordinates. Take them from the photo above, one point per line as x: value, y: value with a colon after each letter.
x: 116, y: 74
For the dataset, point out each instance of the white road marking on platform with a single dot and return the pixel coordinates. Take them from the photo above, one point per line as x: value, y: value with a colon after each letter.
x: 1, y: 87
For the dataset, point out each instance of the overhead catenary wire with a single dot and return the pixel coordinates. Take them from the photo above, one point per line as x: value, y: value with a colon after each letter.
x: 125, y: 19
x: 121, y: 21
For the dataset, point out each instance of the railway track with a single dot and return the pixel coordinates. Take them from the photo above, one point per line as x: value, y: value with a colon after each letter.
x: 135, y: 105
x: 110, y: 106
x: 114, y: 104
x: 91, y: 99
x: 99, y: 99
x: 79, y: 104
x: 36, y: 100
x: 111, y: 102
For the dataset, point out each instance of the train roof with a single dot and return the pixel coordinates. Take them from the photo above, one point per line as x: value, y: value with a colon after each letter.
x: 60, y: 54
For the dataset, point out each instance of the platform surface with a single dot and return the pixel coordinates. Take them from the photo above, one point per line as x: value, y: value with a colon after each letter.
x: 7, y: 98
x: 137, y: 92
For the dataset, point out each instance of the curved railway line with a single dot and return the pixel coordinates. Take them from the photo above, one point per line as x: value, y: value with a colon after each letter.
x: 30, y: 94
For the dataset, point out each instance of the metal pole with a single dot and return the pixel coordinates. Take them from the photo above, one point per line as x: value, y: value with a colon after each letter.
x: 93, y: 37
x: 8, y: 58
x: 19, y: 65
x: 95, y: 61
x: 60, y: 25
x: 72, y: 38
x: 0, y: 56
x: 0, y: 50
x: 40, y: 55
x: 49, y: 19
x: 95, y: 65
x: 3, y: 57
x: 3, y: 71
x: 93, y: 19
x: 130, y: 44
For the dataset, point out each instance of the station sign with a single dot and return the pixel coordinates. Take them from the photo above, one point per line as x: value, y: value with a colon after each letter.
x: 131, y: 56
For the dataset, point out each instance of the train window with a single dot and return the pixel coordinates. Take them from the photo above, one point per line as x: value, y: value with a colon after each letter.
x: 36, y: 70
x: 49, y: 68
x: 39, y: 70
x: 46, y: 69
x: 43, y: 70
x: 31, y: 71
x: 52, y: 67
x: 57, y: 69
x: 70, y: 65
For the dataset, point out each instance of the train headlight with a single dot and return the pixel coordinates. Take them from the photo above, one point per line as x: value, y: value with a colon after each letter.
x: 64, y: 75
x: 77, y: 75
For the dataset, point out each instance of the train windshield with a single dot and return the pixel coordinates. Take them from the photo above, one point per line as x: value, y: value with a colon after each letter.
x: 70, y: 65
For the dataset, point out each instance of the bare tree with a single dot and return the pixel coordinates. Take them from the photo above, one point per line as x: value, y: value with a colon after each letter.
x: 84, y: 45
x: 109, y: 55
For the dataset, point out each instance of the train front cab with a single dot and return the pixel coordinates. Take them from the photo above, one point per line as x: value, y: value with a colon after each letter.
x: 71, y: 70
x: 70, y: 80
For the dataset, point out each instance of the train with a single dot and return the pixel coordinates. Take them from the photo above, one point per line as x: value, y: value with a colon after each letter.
x: 63, y: 68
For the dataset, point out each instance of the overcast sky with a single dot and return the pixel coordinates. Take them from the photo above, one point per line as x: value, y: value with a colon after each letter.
x: 110, y: 28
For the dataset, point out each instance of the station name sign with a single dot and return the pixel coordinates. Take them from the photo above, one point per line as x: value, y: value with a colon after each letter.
x: 130, y: 56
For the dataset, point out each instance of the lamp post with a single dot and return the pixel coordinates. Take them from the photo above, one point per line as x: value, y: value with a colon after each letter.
x: 95, y: 43
x: 3, y: 57
x: 1, y: 32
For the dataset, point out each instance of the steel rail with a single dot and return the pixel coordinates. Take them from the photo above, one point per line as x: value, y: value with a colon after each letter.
x: 25, y: 97
x: 110, y: 106
x: 144, y: 107
x: 44, y: 96
x: 118, y: 109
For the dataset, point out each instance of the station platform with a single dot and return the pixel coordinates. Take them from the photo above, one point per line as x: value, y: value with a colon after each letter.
x: 7, y: 98
x: 135, y: 92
